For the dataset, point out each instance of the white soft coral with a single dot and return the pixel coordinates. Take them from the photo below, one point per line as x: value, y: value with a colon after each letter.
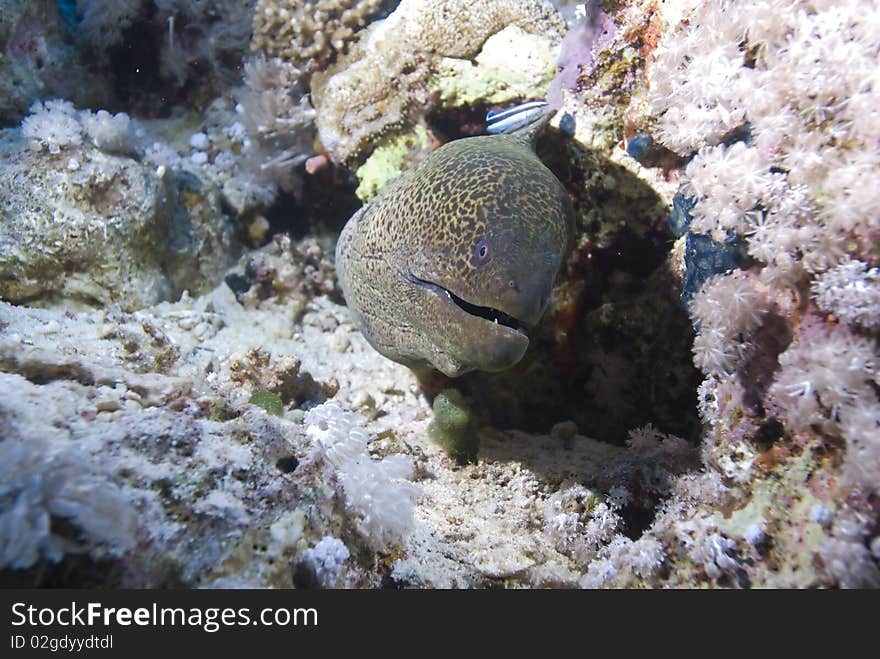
x: 851, y: 291
x: 803, y: 75
x: 377, y: 492
x: 41, y: 481
x: 53, y: 125
x: 57, y: 125
x: 828, y: 379
x: 726, y: 310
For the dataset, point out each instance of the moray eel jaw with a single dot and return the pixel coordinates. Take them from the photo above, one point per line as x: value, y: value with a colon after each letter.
x: 476, y: 337
x: 487, y: 313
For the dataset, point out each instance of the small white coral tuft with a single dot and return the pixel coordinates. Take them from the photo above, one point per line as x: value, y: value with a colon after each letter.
x: 847, y: 558
x: 39, y: 482
x: 824, y: 376
x: 726, y: 310
x: 828, y: 379
x: 327, y: 557
x: 112, y: 133
x: 851, y: 291
x: 713, y: 553
x: 53, y: 125
x: 699, y: 80
x: 57, y: 125
x: 377, y: 492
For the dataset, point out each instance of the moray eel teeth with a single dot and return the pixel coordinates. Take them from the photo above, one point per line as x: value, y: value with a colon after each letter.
x: 488, y: 313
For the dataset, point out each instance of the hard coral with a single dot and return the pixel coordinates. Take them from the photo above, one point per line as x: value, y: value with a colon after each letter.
x: 381, y: 83
x: 491, y: 77
x: 306, y: 33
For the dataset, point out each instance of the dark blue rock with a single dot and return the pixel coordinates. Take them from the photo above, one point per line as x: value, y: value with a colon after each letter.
x: 639, y: 146
x: 566, y: 124
x: 679, y: 218
x: 704, y: 258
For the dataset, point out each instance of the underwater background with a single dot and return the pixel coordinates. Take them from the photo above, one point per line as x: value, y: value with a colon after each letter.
x: 186, y: 401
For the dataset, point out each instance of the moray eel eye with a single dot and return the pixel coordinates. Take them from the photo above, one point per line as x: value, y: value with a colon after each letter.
x: 482, y: 253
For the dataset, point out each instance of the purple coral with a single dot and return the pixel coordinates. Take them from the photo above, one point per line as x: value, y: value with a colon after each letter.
x: 580, y: 47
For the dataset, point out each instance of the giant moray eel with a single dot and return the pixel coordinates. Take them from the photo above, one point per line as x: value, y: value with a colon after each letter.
x: 452, y: 262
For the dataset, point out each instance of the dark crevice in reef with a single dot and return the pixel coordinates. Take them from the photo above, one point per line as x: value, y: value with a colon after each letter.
x: 74, y: 571
x: 132, y: 66
x: 149, y: 76
x: 325, y: 204
x: 454, y: 124
x: 40, y: 373
x: 636, y: 521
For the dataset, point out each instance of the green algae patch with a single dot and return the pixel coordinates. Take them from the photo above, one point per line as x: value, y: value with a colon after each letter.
x: 268, y: 401
x: 452, y: 429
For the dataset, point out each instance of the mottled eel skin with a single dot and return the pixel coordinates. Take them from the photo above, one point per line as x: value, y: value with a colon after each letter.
x: 450, y: 264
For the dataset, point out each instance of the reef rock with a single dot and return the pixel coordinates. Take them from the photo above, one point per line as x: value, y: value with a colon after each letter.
x: 83, y: 225
x: 84, y: 222
x: 382, y: 83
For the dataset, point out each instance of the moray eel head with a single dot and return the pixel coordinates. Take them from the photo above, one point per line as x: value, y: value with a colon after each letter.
x: 452, y: 264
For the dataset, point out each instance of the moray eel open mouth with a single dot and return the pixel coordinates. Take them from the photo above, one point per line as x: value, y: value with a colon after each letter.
x: 488, y: 313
